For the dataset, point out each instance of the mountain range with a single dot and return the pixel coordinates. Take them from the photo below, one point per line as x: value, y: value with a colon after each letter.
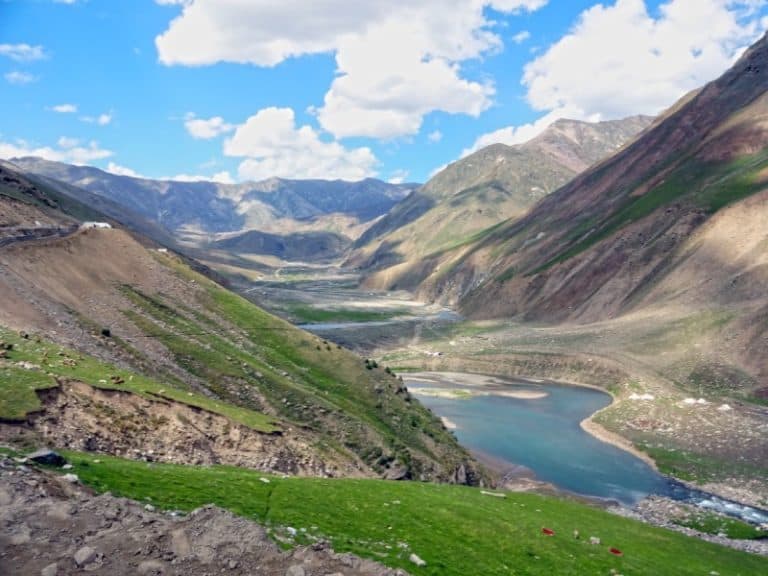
x: 201, y: 213
x: 471, y: 196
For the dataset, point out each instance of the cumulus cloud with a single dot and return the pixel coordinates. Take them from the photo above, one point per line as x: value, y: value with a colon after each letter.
x: 203, y: 129
x: 435, y: 136
x: 273, y: 145
x: 102, y: 119
x: 119, y: 170
x: 397, y: 60
x: 65, y: 108
x: 19, y: 78
x: 219, y: 177
x: 23, y: 52
x: 521, y: 37
x: 398, y: 176
x: 620, y: 60
x: 68, y: 150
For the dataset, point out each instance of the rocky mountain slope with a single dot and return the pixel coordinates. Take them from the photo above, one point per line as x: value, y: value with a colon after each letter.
x: 676, y: 220
x: 115, y: 348
x: 466, y: 199
x: 199, y: 211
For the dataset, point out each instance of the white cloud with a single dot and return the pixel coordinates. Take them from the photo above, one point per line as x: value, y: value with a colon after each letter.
x: 19, y: 78
x: 65, y: 142
x: 521, y: 37
x: 397, y: 60
x: 101, y: 119
x: 435, y: 136
x: 119, y: 170
x: 274, y: 146
x: 202, y: 129
x: 220, y: 177
x: 398, y: 176
x: 64, y: 108
x: 69, y: 150
x: 619, y: 60
x: 23, y: 52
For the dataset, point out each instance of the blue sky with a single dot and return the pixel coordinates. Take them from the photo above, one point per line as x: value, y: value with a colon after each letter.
x: 237, y: 90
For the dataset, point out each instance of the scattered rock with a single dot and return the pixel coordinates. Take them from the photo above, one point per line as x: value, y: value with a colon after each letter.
x: 48, y: 458
x: 50, y: 570
x: 416, y: 560
x: 295, y: 570
x: 85, y: 555
x: 71, y: 478
x: 151, y: 567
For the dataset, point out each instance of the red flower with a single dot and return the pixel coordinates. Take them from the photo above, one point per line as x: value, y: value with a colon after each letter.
x: 617, y: 552
x: 548, y: 531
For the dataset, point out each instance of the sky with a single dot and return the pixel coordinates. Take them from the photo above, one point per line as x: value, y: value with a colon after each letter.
x: 238, y: 90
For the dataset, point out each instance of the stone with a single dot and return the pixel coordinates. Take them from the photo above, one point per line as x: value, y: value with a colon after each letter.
x: 416, y: 560
x: 50, y: 570
x: 48, y: 458
x: 594, y: 540
x: 71, y: 478
x: 295, y: 570
x: 151, y: 567
x: 180, y: 544
x: 85, y: 555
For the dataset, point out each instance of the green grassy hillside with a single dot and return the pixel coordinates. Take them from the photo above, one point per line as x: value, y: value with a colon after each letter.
x: 456, y: 530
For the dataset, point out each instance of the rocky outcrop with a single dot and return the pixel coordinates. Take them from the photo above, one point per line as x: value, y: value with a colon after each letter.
x: 54, y: 528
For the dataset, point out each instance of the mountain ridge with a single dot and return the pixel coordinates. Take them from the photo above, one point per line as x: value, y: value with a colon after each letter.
x: 478, y: 192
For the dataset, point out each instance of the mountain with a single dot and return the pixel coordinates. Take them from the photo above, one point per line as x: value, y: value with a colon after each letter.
x: 196, y: 212
x: 474, y: 194
x: 112, y: 347
x: 678, y: 221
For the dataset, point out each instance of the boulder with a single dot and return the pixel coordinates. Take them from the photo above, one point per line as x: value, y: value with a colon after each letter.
x: 48, y: 458
x: 85, y: 555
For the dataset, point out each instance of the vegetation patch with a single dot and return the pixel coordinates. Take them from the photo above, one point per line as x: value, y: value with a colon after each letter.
x: 42, y: 358
x: 715, y: 524
x: 456, y: 530
x: 303, y: 313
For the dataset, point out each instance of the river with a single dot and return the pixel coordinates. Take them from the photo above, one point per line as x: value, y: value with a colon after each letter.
x: 538, y: 425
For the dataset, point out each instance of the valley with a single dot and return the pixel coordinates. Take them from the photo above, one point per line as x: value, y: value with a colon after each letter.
x: 551, y: 357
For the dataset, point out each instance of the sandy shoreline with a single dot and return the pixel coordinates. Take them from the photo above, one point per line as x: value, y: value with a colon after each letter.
x: 463, y: 393
x: 448, y: 423
x: 593, y: 428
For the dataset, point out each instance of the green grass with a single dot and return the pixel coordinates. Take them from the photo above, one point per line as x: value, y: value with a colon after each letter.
x: 232, y: 346
x: 304, y: 313
x: 699, y: 468
x: 17, y: 391
x: 713, y: 524
x: 18, y: 385
x: 457, y: 530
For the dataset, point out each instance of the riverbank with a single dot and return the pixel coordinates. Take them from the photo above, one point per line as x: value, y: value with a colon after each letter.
x: 604, y: 435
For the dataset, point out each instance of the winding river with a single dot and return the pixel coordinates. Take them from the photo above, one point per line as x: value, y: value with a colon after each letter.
x: 538, y: 425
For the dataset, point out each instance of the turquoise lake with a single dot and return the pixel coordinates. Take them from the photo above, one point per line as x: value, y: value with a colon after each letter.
x: 545, y: 435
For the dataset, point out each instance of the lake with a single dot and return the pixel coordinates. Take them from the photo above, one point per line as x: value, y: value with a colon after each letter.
x: 543, y: 433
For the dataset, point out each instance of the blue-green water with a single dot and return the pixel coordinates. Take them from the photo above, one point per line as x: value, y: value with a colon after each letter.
x: 545, y: 435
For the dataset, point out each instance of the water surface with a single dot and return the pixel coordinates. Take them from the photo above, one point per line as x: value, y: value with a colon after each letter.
x: 545, y: 435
